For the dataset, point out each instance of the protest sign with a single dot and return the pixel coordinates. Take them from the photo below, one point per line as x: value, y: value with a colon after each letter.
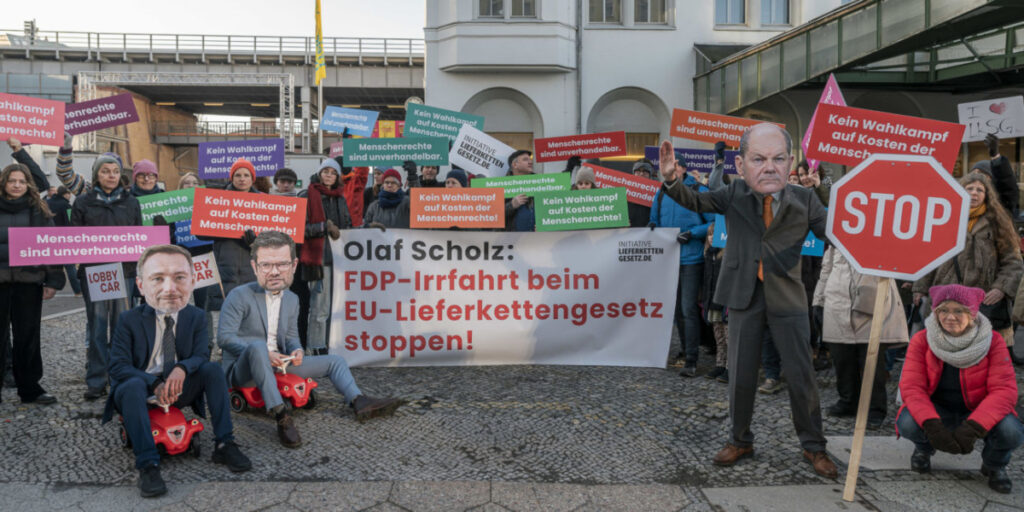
x: 813, y: 246
x: 228, y: 214
x: 358, y: 122
x: 581, y: 209
x: 590, y: 145
x: 436, y: 298
x: 183, y: 235
x: 462, y: 207
x: 702, y: 160
x: 830, y: 96
x: 106, y: 282
x: 638, y: 190
x: 207, y: 273
x: 392, y: 152
x: 480, y: 153
x: 92, y: 115
x: 337, y: 149
x: 31, y: 120
x: 216, y: 158
x: 174, y: 206
x: 1003, y: 117
x: 387, y: 129
x: 529, y: 184
x: 427, y: 121
x: 82, y: 244
x: 848, y: 136
x: 708, y: 127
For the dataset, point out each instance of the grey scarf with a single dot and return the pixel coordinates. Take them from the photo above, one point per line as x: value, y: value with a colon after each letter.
x: 962, y: 351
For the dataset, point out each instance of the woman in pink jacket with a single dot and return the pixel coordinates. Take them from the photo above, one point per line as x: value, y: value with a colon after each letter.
x: 959, y: 387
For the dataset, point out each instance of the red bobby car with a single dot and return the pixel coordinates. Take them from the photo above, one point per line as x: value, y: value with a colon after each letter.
x: 300, y: 392
x: 172, y: 433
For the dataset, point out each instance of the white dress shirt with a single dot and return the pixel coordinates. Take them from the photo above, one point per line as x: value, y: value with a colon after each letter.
x: 156, y: 359
x: 273, y: 315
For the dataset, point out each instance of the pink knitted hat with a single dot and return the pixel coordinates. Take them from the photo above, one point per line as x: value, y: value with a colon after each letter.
x: 965, y: 295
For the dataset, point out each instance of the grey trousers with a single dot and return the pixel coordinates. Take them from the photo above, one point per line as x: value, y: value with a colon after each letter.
x: 253, y: 370
x: 792, y: 338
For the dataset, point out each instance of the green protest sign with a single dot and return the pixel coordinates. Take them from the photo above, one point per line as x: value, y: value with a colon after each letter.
x: 392, y: 152
x: 426, y: 121
x: 530, y: 184
x: 581, y: 209
x: 174, y: 206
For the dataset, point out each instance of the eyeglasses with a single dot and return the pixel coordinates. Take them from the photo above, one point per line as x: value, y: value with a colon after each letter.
x: 281, y: 266
x: 391, y: 183
x: 146, y: 177
x: 952, y: 311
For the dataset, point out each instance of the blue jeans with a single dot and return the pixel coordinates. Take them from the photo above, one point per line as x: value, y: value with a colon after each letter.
x: 130, y: 400
x: 253, y: 370
x: 687, y: 314
x: 770, y: 359
x: 1000, y: 442
x: 100, y: 322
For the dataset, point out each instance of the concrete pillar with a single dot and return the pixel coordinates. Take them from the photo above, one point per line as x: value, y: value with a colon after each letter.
x: 306, y: 93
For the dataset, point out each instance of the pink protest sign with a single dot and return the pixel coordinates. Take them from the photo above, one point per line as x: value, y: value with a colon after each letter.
x: 99, y: 244
x: 31, y: 120
x: 93, y: 115
x: 338, y: 148
x: 830, y: 96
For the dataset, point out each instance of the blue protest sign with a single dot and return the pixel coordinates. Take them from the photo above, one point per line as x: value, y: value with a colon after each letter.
x: 358, y: 122
x: 183, y: 235
x: 702, y: 160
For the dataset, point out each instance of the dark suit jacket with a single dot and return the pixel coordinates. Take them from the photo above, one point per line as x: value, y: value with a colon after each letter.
x: 750, y: 242
x: 132, y: 345
x: 244, y: 322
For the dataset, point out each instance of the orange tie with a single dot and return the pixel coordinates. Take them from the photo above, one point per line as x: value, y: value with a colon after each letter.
x: 768, y: 216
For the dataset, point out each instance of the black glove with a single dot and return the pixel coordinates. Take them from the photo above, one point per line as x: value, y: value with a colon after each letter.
x: 344, y: 133
x: 684, y: 237
x: 967, y: 434
x: 993, y: 144
x: 159, y: 220
x: 410, y: 168
x: 940, y: 437
x: 572, y: 163
x: 720, y: 150
x: 249, y: 237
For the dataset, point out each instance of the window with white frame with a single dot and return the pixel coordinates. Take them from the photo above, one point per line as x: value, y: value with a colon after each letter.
x: 605, y: 11
x: 775, y: 12
x: 730, y: 12
x: 524, y: 9
x: 492, y: 8
x: 649, y: 11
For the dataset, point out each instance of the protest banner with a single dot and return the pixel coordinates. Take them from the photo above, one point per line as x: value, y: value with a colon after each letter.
x: 387, y: 129
x: 581, y: 209
x: 337, y: 149
x: 461, y: 207
x: 216, y: 158
x: 358, y: 122
x: 848, y: 136
x: 207, y: 274
x: 81, y: 244
x: 392, y: 152
x: 529, y: 184
x: 1003, y: 117
x: 92, y: 115
x: 174, y: 206
x: 183, y: 235
x: 479, y: 153
x: 590, y: 145
x: 813, y: 246
x: 830, y: 96
x: 445, y: 298
x: 427, y: 121
x: 638, y: 190
x: 227, y: 214
x: 702, y: 160
x: 106, y: 282
x: 31, y: 120
x: 708, y: 127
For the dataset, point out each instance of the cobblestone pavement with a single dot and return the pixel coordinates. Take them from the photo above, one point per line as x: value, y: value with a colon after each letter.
x: 497, y: 438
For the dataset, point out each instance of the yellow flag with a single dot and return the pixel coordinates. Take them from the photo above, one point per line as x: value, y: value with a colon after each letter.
x: 321, y: 68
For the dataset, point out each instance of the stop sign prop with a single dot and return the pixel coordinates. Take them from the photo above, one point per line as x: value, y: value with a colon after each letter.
x: 898, y: 216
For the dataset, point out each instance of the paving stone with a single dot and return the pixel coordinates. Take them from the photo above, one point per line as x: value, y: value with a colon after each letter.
x: 242, y: 496
x: 889, y: 453
x: 979, y: 485
x: 784, y: 498
x: 524, y: 497
x: 636, y: 497
x: 339, y: 496
x: 440, y: 496
x: 932, y: 495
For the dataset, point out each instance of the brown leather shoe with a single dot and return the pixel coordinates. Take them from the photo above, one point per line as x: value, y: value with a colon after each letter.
x: 822, y: 463
x: 287, y: 432
x: 369, y: 407
x: 731, y: 453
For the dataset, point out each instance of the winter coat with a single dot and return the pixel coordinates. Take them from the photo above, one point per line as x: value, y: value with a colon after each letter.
x: 989, y: 387
x: 1005, y: 183
x: 90, y: 210
x: 980, y: 263
x: 666, y: 213
x: 60, y: 208
x: 18, y: 214
x: 232, y: 255
x: 355, y: 186
x: 639, y: 215
x: 522, y: 218
x: 849, y: 301
x: 337, y: 211
x: 397, y: 217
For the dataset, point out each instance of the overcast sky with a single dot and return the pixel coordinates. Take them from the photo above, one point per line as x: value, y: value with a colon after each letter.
x: 341, y: 18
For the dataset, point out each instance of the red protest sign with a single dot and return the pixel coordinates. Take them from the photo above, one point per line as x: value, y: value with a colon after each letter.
x: 227, y: 214
x: 31, y: 120
x: 463, y: 207
x: 848, y: 136
x: 708, y: 127
x: 638, y: 190
x: 590, y: 145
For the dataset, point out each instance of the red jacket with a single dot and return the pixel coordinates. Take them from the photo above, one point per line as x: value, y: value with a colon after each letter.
x: 355, y: 183
x: 989, y: 387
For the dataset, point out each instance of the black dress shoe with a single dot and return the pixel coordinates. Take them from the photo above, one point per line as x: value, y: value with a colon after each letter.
x: 43, y: 399
x: 369, y: 407
x: 875, y: 422
x: 998, y: 481
x: 921, y: 461
x: 227, y: 453
x: 150, y: 482
x: 94, y: 393
x: 838, y: 410
x: 715, y: 372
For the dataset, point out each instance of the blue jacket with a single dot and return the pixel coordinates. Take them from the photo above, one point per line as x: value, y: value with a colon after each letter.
x: 666, y: 213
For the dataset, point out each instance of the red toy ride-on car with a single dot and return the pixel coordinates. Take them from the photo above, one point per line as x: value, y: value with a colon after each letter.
x: 300, y: 392
x: 172, y: 433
